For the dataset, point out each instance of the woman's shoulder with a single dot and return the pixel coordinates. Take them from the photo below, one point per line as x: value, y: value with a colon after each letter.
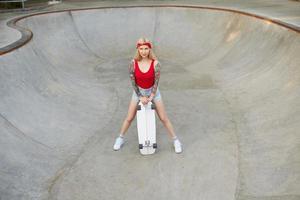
x: 132, y: 62
x: 156, y: 62
x: 132, y: 65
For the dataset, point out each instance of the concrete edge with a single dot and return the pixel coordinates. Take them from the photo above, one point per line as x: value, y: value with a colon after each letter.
x: 26, y: 34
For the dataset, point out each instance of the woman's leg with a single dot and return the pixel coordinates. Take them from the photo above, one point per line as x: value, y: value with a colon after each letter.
x: 160, y: 109
x: 165, y: 120
x: 130, y: 116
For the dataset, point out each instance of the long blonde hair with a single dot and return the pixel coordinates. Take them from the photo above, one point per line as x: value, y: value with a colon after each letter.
x: 151, y: 53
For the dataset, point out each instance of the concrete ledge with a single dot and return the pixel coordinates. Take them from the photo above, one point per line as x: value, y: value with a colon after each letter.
x: 27, y: 34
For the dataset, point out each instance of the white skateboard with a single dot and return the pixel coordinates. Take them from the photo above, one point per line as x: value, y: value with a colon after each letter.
x: 146, y: 128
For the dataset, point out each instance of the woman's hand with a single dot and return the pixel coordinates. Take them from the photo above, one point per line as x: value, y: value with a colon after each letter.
x: 144, y: 100
x: 150, y: 98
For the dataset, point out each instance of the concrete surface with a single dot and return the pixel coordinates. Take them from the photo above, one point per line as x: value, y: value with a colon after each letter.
x: 230, y: 84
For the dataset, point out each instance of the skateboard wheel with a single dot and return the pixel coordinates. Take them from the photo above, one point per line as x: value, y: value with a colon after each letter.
x: 155, y: 146
x: 139, y: 107
x: 153, y: 106
x: 140, y: 146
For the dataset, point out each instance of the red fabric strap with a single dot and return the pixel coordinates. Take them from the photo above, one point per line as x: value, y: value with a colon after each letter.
x: 145, y: 43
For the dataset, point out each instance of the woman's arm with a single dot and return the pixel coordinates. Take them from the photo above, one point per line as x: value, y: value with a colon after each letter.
x: 157, y: 68
x: 132, y: 78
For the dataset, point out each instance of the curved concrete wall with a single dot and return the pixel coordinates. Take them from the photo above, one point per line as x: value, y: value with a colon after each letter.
x: 230, y: 83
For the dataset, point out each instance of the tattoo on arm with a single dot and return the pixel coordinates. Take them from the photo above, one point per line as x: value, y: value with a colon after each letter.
x: 157, y: 76
x: 132, y: 78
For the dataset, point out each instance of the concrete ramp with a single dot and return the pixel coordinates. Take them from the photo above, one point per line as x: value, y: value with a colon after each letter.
x: 230, y: 84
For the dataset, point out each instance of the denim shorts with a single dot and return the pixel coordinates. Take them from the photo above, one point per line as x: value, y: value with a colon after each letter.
x: 146, y: 92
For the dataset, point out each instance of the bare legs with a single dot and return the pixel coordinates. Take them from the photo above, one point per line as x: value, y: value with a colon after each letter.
x: 130, y: 116
x: 160, y: 110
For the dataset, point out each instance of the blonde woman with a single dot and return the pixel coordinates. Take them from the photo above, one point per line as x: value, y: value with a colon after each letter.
x: 144, y: 71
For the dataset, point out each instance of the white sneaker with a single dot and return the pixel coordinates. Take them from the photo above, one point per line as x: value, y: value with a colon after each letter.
x: 177, y: 146
x: 118, y: 143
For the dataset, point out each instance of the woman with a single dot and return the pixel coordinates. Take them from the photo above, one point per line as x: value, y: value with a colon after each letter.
x: 144, y: 72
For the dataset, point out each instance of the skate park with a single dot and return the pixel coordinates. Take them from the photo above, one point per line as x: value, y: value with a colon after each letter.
x: 230, y: 83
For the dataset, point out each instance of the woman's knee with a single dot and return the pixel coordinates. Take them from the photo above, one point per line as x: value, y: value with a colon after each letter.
x: 131, y: 113
x: 129, y: 119
x: 164, y: 119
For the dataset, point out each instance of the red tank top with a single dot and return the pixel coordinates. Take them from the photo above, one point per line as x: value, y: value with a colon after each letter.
x: 144, y: 80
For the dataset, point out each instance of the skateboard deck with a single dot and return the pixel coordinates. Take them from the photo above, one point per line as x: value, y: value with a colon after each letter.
x: 146, y: 128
